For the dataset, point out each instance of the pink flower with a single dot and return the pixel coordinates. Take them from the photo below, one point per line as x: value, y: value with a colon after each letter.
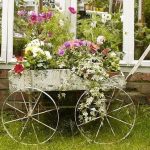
x: 45, y: 16
x: 21, y: 13
x: 19, y: 68
x: 105, y: 51
x: 33, y: 17
x: 49, y: 15
x: 94, y: 47
x: 72, y: 10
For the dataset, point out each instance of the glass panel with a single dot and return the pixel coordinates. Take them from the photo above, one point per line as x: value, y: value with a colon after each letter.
x: 22, y: 7
x: 98, y: 18
x: 0, y: 25
x: 142, y: 27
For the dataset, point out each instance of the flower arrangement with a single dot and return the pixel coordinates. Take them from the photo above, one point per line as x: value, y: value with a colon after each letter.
x: 89, y: 59
x: 92, y: 62
x: 48, y: 26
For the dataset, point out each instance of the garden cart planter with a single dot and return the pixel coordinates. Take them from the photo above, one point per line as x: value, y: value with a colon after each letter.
x: 31, y: 116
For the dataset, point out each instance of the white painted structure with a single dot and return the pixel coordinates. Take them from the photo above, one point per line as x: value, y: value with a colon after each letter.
x: 128, y: 29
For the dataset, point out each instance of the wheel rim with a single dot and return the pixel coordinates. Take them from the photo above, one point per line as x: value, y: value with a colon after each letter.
x: 32, y: 118
x: 116, y: 125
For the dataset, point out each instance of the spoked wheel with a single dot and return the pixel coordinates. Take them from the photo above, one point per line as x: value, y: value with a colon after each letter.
x: 113, y: 125
x: 30, y: 116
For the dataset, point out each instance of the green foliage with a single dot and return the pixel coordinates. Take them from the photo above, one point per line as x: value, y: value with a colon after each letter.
x: 19, y: 45
x: 58, y: 28
x: 111, y: 30
x: 147, y: 12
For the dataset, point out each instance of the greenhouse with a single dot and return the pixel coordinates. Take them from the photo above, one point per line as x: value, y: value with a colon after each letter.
x: 74, y: 74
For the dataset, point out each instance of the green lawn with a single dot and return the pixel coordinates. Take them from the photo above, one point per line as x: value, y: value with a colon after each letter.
x: 139, y: 139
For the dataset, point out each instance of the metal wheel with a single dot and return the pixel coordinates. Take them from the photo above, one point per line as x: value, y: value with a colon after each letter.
x: 112, y: 126
x: 31, y: 118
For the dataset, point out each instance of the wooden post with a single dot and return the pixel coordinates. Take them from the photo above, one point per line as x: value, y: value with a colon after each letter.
x: 141, y: 19
x: 110, y: 6
x: 40, y: 5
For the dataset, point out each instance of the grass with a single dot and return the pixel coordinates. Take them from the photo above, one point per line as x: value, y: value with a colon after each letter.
x: 137, y: 140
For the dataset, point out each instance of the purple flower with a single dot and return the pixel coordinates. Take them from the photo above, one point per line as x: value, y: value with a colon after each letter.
x: 21, y: 13
x: 67, y: 44
x: 72, y: 10
x: 61, y: 52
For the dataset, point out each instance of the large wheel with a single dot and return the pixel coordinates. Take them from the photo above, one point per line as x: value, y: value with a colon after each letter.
x: 30, y: 116
x: 114, y: 124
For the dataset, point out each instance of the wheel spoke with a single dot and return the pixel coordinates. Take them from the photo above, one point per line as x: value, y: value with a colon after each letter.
x: 110, y: 100
x: 35, y: 133
x: 43, y: 112
x: 110, y: 126
x: 120, y: 108
x: 23, y: 128
x: 119, y: 100
x: 113, y: 93
x: 24, y: 101
x: 15, y: 108
x: 15, y: 120
x: 37, y: 101
x: 98, y: 129
x: 119, y: 120
x: 44, y: 124
x: 88, y: 121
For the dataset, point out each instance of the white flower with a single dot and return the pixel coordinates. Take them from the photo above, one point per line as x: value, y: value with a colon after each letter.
x: 85, y: 114
x: 36, y: 50
x: 48, y: 55
x: 36, y: 42
x: 89, y: 100
x: 100, y: 40
x: 49, y: 45
x: 93, y: 24
x: 112, y: 54
x: 61, y: 23
x: 106, y: 17
x: 73, y: 69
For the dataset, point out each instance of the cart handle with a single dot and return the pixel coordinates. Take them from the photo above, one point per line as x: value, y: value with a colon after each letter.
x: 139, y: 62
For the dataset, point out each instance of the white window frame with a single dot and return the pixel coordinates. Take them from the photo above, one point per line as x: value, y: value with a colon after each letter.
x: 4, y: 31
x: 128, y: 29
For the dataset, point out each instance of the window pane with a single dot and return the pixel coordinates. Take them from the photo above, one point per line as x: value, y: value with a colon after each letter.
x: 22, y: 7
x: 101, y: 18
x: 142, y: 28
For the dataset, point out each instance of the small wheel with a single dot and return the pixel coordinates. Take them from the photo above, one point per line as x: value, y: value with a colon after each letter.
x: 30, y: 116
x: 113, y: 125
